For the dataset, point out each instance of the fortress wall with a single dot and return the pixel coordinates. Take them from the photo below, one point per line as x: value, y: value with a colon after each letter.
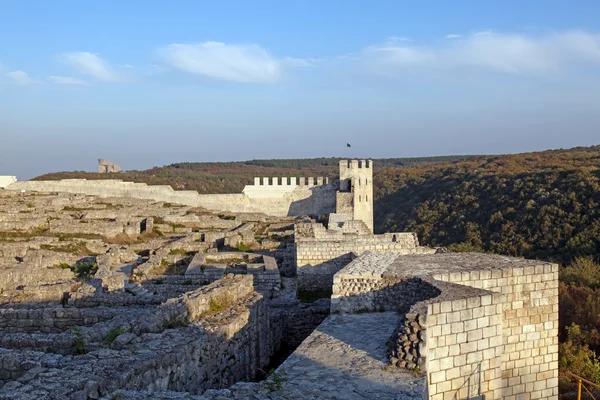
x: 282, y: 201
x: 464, y: 348
x: 318, y: 260
x: 530, y: 327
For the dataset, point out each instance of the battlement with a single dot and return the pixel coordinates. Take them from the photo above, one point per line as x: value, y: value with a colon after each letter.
x: 356, y: 164
x: 277, y: 181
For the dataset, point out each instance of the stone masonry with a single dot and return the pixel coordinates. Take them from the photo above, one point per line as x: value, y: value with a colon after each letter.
x: 491, y: 328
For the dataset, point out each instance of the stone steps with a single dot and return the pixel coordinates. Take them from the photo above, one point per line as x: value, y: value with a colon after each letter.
x: 137, y: 290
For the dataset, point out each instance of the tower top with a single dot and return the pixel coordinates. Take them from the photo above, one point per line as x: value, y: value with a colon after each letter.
x: 356, y: 164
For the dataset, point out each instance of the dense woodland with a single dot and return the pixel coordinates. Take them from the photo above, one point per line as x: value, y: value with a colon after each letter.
x: 543, y: 205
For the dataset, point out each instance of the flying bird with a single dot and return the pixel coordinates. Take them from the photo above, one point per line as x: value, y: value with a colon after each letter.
x: 348, y: 145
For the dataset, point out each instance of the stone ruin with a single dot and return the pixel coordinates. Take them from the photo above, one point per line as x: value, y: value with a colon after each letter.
x: 105, y: 167
x: 125, y: 298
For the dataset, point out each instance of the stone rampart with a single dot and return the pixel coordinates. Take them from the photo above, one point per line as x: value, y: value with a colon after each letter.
x: 529, y: 329
x: 492, y: 331
x: 321, y: 253
x: 300, y: 200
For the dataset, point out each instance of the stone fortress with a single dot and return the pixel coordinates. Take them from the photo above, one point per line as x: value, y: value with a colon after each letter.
x: 111, y: 289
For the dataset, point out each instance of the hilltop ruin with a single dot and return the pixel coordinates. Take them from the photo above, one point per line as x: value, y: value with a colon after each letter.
x: 111, y: 289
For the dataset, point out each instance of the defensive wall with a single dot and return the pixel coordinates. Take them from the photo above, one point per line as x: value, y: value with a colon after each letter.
x: 475, y: 324
x: 321, y: 252
x: 311, y: 196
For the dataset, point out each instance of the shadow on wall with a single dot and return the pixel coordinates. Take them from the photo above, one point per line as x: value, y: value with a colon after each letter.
x: 319, y: 277
x: 394, y: 295
x: 320, y: 201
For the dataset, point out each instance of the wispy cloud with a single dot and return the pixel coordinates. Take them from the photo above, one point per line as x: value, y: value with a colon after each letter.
x: 238, y: 63
x: 20, y: 77
x: 453, y: 36
x: 91, y: 64
x: 299, y: 62
x: 67, y: 80
x: 487, y: 50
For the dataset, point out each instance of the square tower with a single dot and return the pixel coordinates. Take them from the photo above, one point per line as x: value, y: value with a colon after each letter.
x: 355, y: 196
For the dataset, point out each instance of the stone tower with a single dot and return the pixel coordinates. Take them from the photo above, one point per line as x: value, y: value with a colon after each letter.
x: 355, y: 196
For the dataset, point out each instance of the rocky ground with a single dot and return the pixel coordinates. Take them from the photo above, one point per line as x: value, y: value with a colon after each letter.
x: 106, y: 294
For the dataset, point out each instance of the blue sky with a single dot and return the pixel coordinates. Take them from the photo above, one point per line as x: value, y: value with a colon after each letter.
x: 147, y: 83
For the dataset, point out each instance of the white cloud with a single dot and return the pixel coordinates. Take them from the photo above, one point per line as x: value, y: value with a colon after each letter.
x: 299, y: 62
x: 91, y: 64
x: 453, y: 36
x: 487, y: 50
x: 238, y: 63
x: 20, y: 77
x: 127, y: 66
x: 67, y: 80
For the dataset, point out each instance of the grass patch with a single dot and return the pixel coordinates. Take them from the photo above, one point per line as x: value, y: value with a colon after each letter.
x: 243, y: 247
x: 60, y: 266
x: 178, y: 252
x: 112, y: 335
x: 78, y: 249
x: 72, y: 208
x: 218, y: 304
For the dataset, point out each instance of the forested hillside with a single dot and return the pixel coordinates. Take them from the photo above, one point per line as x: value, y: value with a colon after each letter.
x: 538, y: 205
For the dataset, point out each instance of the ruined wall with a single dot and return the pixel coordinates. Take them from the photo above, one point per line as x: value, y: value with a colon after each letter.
x: 301, y: 200
x: 319, y: 258
x: 530, y: 327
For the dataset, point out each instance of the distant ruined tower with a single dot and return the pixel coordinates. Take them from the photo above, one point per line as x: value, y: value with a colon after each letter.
x: 355, y: 196
x: 105, y: 167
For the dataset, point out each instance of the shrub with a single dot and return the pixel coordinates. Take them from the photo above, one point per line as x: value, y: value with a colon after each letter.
x: 85, y: 268
x: 583, y: 271
x: 79, y: 345
x: 577, y: 358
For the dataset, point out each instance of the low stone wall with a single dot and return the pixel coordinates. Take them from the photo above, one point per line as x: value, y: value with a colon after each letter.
x: 320, y: 257
x: 361, y: 287
x: 51, y: 319
x: 223, y: 293
x: 216, y: 348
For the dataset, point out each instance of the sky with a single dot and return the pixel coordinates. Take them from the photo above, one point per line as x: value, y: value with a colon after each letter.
x: 148, y: 83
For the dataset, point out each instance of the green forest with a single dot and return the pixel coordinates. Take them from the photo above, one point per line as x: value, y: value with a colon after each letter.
x: 542, y: 205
